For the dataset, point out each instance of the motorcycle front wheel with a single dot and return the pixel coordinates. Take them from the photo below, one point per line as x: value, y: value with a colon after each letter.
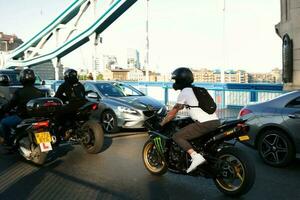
x: 92, y: 137
x: 153, y: 162
x: 237, y: 172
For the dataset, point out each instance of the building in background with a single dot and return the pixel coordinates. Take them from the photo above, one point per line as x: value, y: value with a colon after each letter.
x: 120, y: 74
x: 9, y: 42
x: 133, y: 59
x: 46, y: 71
x: 214, y: 76
x: 110, y: 62
x: 275, y: 76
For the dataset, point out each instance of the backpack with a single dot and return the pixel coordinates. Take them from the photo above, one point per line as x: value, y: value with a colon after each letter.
x: 205, y: 101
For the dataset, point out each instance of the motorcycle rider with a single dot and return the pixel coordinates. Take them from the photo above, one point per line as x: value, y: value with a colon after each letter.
x: 204, y: 123
x: 19, y: 100
x: 71, y: 91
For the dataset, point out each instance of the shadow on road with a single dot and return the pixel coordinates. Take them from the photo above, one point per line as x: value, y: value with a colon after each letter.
x: 53, y: 186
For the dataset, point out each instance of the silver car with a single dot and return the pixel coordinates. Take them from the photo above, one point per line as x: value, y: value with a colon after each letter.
x: 275, y: 128
x: 121, y: 105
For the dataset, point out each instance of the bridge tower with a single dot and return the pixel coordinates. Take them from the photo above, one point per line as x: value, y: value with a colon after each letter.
x: 289, y: 30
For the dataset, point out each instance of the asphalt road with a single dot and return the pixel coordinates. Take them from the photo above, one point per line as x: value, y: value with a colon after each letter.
x: 118, y: 173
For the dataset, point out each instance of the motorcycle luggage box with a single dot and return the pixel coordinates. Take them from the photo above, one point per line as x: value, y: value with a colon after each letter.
x: 43, y: 107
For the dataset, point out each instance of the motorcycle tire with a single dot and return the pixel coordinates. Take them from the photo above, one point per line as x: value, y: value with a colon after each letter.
x: 152, y: 160
x: 238, y: 169
x: 39, y: 157
x: 95, y: 135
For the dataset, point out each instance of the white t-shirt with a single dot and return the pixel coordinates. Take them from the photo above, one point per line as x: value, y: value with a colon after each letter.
x: 187, y: 97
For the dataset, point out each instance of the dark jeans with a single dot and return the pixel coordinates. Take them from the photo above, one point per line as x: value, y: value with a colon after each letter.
x: 193, y: 131
x: 7, y: 123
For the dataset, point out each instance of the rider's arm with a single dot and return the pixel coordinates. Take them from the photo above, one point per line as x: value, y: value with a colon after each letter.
x: 60, y: 93
x: 172, y: 114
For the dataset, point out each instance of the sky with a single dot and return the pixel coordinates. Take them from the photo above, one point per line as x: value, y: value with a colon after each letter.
x: 193, y: 33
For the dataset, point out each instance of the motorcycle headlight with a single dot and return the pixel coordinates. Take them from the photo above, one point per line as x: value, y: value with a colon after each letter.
x: 124, y: 109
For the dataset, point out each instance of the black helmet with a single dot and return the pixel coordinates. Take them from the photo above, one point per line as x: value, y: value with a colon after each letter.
x: 71, y: 76
x: 4, y: 80
x: 27, y: 77
x: 183, y: 78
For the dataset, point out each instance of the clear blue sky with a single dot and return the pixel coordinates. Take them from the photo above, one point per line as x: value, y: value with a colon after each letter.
x: 182, y: 33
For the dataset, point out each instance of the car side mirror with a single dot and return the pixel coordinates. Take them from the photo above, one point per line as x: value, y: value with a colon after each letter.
x: 43, y: 82
x: 92, y: 95
x: 4, y: 80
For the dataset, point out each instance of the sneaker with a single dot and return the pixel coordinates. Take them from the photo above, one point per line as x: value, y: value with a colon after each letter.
x: 197, y: 160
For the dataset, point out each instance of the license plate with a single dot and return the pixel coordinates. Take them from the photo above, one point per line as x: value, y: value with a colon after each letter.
x: 43, y: 137
x: 244, y: 138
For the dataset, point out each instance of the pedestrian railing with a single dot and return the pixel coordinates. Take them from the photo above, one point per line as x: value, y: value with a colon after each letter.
x: 230, y: 98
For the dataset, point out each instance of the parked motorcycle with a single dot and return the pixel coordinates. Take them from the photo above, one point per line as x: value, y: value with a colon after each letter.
x: 230, y: 168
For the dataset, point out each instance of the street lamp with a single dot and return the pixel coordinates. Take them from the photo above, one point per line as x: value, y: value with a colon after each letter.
x: 147, y: 43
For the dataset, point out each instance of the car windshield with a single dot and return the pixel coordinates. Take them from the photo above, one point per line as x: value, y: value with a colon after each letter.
x: 117, y: 90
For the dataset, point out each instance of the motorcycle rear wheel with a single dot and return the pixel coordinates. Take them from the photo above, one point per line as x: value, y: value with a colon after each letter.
x: 38, y: 157
x: 153, y: 162
x: 238, y: 173
x: 93, y: 137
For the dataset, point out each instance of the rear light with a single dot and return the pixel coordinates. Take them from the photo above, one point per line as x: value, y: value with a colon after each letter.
x: 39, y: 125
x: 50, y: 104
x: 95, y: 106
x: 244, y: 112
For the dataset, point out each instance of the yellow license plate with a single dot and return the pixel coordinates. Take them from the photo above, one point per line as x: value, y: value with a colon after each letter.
x: 244, y: 138
x: 42, y: 137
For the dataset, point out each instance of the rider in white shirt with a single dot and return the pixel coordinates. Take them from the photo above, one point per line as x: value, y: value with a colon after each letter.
x: 204, y: 122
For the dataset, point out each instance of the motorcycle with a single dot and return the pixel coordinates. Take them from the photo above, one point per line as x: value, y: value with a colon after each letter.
x: 76, y: 127
x: 32, y: 138
x: 230, y: 168
x: 37, y: 135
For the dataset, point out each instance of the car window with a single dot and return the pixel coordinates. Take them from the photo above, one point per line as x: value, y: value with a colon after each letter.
x: 13, y: 78
x: 88, y: 87
x: 117, y: 90
x: 294, y: 103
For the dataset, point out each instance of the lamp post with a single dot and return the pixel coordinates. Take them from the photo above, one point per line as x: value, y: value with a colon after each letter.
x: 147, y: 43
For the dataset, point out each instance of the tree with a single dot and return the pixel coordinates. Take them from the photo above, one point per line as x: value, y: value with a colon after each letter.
x: 99, y: 77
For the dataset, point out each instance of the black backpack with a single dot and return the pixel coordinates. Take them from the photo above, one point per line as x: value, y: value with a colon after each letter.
x: 205, y: 101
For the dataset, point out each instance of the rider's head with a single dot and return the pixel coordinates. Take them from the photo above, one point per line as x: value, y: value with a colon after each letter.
x: 183, y: 78
x: 71, y: 76
x: 27, y: 77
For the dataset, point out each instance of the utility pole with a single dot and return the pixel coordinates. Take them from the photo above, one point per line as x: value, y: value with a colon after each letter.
x: 224, y: 43
x: 147, y: 43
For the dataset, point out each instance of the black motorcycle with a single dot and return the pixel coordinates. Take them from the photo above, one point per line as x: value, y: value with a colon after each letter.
x: 32, y: 138
x: 73, y: 124
x: 230, y: 168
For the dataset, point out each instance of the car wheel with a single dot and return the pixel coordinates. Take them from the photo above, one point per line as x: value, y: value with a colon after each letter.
x: 109, y: 122
x: 276, y: 148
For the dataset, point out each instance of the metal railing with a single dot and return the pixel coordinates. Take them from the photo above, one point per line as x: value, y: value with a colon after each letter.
x: 230, y: 98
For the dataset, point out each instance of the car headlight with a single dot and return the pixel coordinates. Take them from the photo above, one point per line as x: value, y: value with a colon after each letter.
x: 124, y: 109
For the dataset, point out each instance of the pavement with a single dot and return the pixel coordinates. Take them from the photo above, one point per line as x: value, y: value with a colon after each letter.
x: 118, y: 173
